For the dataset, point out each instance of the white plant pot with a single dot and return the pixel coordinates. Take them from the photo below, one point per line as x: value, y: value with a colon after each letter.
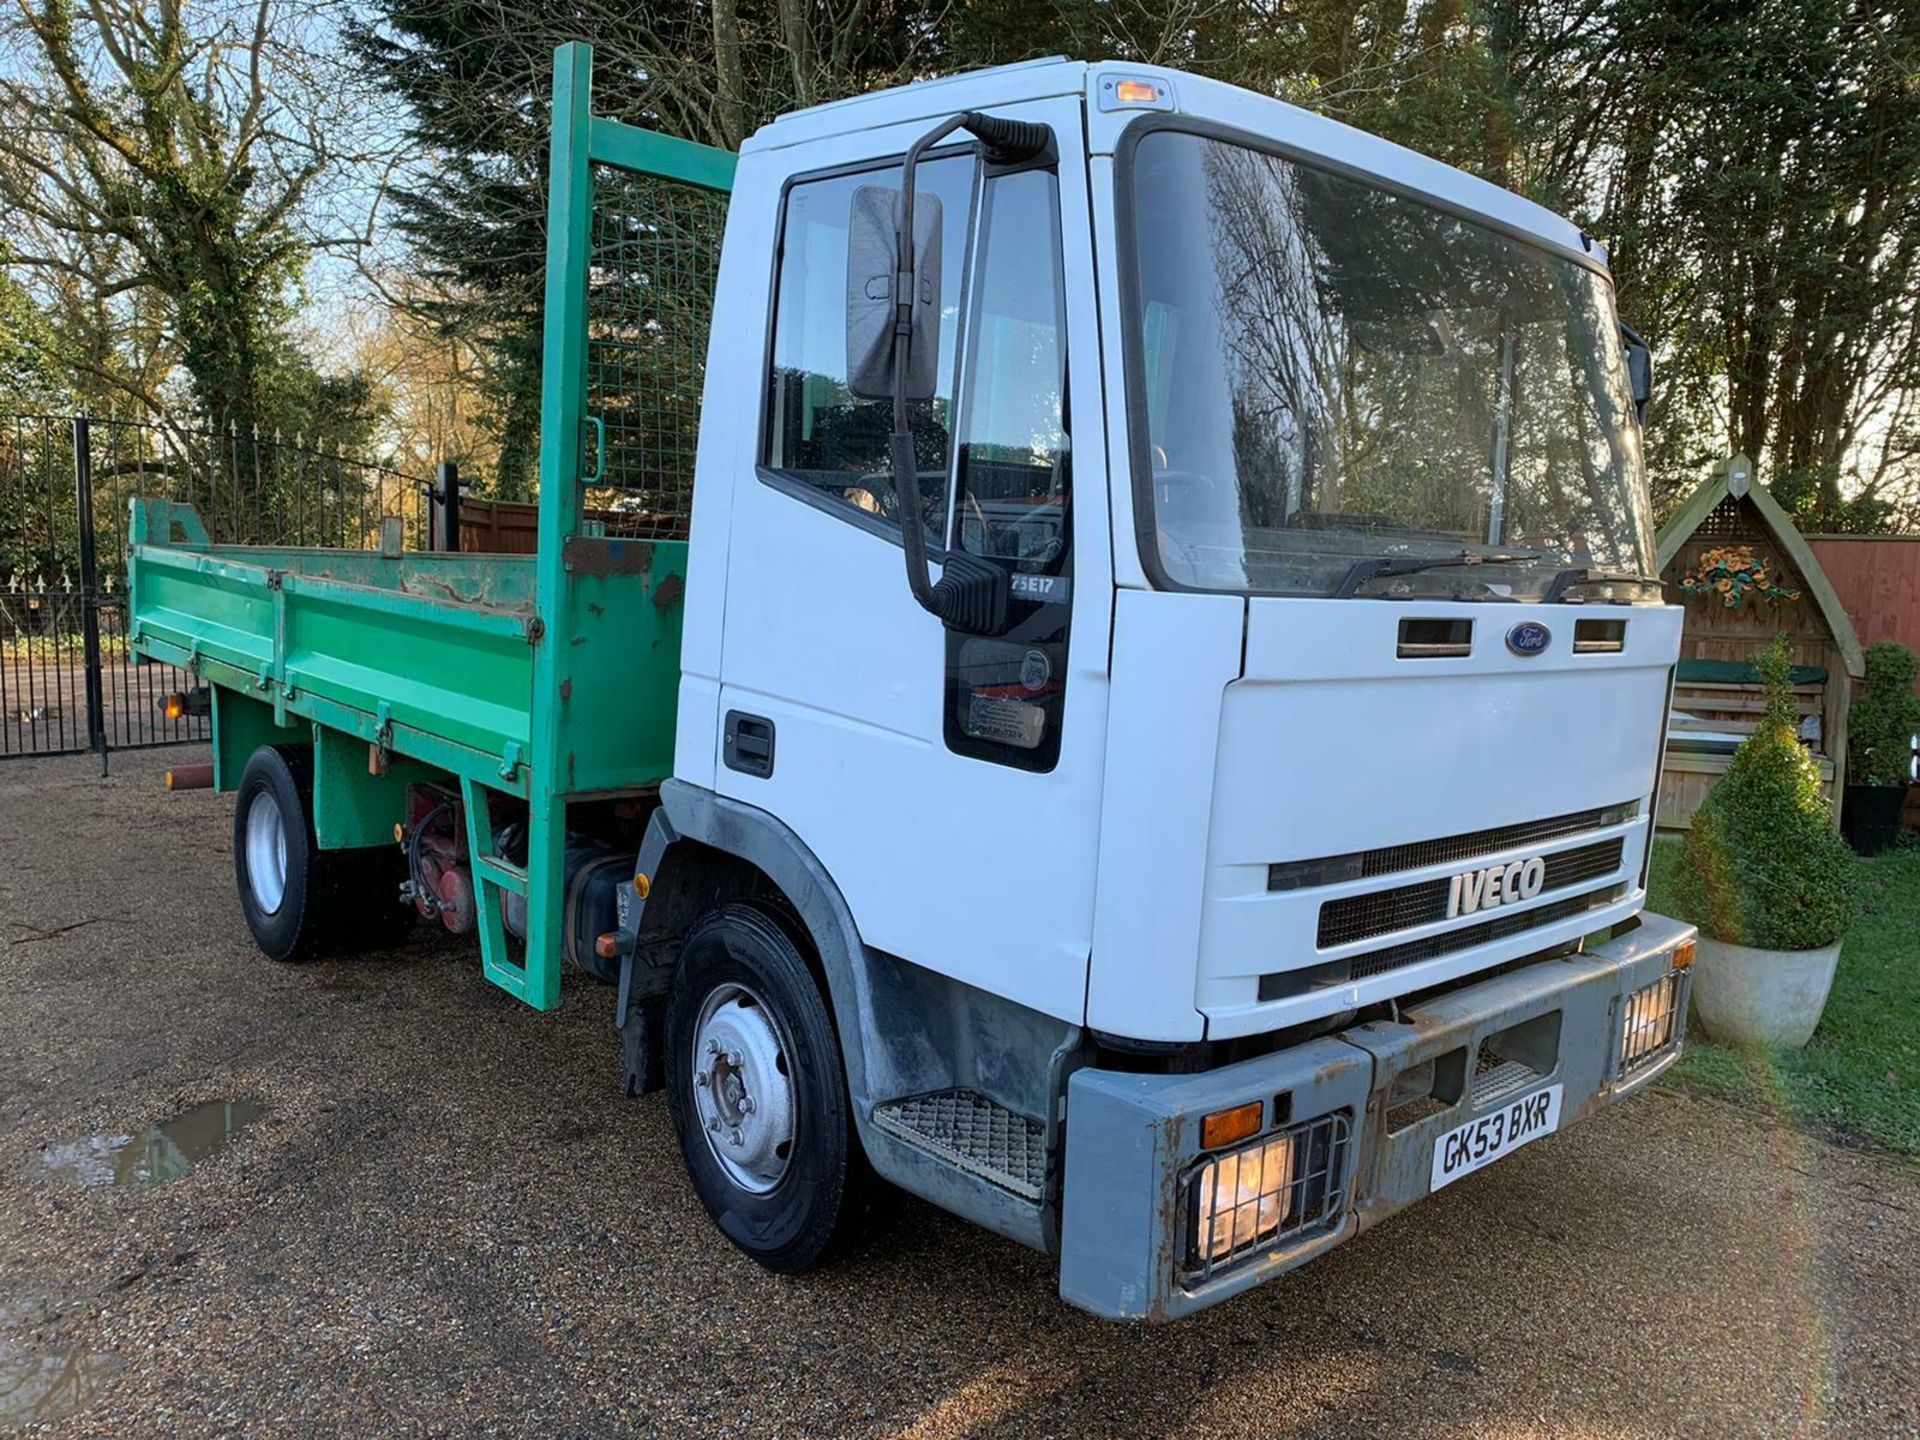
x: 1761, y: 997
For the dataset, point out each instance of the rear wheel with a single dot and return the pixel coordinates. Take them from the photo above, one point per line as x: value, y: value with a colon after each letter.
x: 276, y: 864
x: 758, y: 1093
x: 300, y: 900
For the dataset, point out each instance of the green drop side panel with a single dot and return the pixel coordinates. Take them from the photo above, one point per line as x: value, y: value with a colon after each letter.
x: 400, y: 651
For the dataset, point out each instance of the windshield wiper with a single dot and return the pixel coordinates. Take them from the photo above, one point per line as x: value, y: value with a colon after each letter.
x: 1381, y: 566
x: 1578, y: 575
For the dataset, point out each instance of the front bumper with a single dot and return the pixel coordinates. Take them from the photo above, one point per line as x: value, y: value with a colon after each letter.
x: 1365, y: 1147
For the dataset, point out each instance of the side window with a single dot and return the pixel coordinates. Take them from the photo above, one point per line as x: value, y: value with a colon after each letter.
x: 1007, y: 695
x: 817, y: 434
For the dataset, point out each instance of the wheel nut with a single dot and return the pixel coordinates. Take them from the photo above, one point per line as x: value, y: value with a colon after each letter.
x: 746, y: 1104
x: 700, y: 1078
x: 714, y: 1123
x: 733, y: 1059
x: 713, y: 1047
x: 733, y: 1138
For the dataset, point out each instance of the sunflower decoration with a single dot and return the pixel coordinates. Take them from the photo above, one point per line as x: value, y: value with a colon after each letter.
x: 1733, y: 572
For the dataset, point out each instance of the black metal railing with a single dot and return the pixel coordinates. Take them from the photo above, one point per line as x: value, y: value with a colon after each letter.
x: 68, y: 678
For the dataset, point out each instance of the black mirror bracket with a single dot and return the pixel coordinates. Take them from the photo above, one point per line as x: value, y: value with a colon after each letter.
x: 1639, y: 372
x: 973, y: 593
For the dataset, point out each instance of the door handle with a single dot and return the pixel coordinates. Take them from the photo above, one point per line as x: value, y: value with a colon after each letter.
x: 747, y: 744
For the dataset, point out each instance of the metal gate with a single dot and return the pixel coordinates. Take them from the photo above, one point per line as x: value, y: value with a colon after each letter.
x: 68, y: 680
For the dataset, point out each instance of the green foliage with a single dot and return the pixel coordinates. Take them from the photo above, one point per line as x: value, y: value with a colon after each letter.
x: 29, y: 380
x: 1861, y: 1074
x: 1763, y: 864
x: 1755, y: 170
x: 1881, y: 724
x: 161, y: 161
x: 1751, y: 168
x: 474, y: 82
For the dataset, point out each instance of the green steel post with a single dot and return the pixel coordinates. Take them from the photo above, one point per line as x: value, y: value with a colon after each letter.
x: 562, y: 418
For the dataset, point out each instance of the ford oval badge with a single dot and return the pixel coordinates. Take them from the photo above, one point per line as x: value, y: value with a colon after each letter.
x: 1529, y: 637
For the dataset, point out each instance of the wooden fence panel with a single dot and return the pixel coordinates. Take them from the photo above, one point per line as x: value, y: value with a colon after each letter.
x: 509, y: 527
x: 1878, y: 579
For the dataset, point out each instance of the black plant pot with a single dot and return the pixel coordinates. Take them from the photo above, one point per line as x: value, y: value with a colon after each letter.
x: 1871, y: 817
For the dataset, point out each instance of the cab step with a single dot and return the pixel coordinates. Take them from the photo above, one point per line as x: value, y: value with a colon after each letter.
x: 974, y: 1133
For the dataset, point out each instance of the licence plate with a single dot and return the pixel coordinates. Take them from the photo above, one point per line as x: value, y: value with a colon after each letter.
x: 1478, y: 1143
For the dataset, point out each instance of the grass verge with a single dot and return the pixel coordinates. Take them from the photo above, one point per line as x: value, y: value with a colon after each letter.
x: 1861, y: 1073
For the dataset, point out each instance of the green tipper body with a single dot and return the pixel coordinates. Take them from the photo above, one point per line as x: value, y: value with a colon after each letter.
x: 430, y: 655
x: 549, y: 677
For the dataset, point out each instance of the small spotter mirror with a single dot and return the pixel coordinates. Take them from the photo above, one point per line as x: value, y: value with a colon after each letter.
x: 873, y: 226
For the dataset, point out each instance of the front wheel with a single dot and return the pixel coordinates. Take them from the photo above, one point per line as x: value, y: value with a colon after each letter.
x: 759, y: 1095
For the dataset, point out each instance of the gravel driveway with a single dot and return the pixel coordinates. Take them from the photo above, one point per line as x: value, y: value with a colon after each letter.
x: 445, y: 1220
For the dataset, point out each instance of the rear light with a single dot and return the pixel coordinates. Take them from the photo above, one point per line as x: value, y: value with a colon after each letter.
x: 1650, y: 1023
x: 185, y: 704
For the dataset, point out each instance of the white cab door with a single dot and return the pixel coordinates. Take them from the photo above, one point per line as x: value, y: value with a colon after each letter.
x: 949, y: 783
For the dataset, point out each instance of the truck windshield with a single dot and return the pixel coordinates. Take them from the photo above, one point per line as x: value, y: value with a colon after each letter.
x: 1328, y: 373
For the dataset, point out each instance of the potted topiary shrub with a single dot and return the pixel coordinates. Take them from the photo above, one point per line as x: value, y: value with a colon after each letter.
x: 1769, y: 882
x: 1881, y: 725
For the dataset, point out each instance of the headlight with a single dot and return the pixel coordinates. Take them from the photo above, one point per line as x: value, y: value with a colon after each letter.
x: 1245, y: 1197
x: 1649, y: 1023
x: 1269, y: 1190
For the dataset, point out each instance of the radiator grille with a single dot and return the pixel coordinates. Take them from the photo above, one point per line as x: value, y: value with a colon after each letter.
x: 1514, y: 922
x: 1367, y: 864
x: 1382, y: 912
x: 1286, y: 984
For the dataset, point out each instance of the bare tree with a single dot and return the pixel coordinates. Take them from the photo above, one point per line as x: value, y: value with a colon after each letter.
x: 160, y: 165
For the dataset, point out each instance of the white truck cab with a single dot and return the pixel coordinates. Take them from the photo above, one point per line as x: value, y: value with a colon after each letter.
x: 1239, y: 828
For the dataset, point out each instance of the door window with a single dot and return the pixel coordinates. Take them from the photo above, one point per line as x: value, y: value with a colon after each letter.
x: 819, y: 436
x: 1006, y: 694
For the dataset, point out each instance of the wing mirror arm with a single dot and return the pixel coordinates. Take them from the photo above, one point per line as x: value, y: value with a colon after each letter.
x: 972, y: 593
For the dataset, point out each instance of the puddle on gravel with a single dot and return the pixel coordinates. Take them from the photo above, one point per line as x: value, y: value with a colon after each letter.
x: 157, y: 1154
x: 39, y: 1386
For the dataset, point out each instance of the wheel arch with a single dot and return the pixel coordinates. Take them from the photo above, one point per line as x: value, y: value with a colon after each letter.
x: 701, y: 850
x: 697, y: 843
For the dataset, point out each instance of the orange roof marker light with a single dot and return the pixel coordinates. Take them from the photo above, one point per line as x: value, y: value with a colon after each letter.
x: 1135, y: 92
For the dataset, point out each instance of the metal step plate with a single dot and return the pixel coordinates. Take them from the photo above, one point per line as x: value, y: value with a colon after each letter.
x: 1505, y: 1077
x: 967, y: 1129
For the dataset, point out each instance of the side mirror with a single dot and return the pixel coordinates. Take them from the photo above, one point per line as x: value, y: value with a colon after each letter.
x: 1639, y: 372
x: 873, y: 227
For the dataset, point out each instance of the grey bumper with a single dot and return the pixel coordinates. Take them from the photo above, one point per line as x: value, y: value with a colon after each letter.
x: 1133, y: 1141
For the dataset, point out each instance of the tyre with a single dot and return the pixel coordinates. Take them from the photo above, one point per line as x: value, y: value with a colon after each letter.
x: 299, y: 900
x: 759, y: 1095
x: 276, y: 864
